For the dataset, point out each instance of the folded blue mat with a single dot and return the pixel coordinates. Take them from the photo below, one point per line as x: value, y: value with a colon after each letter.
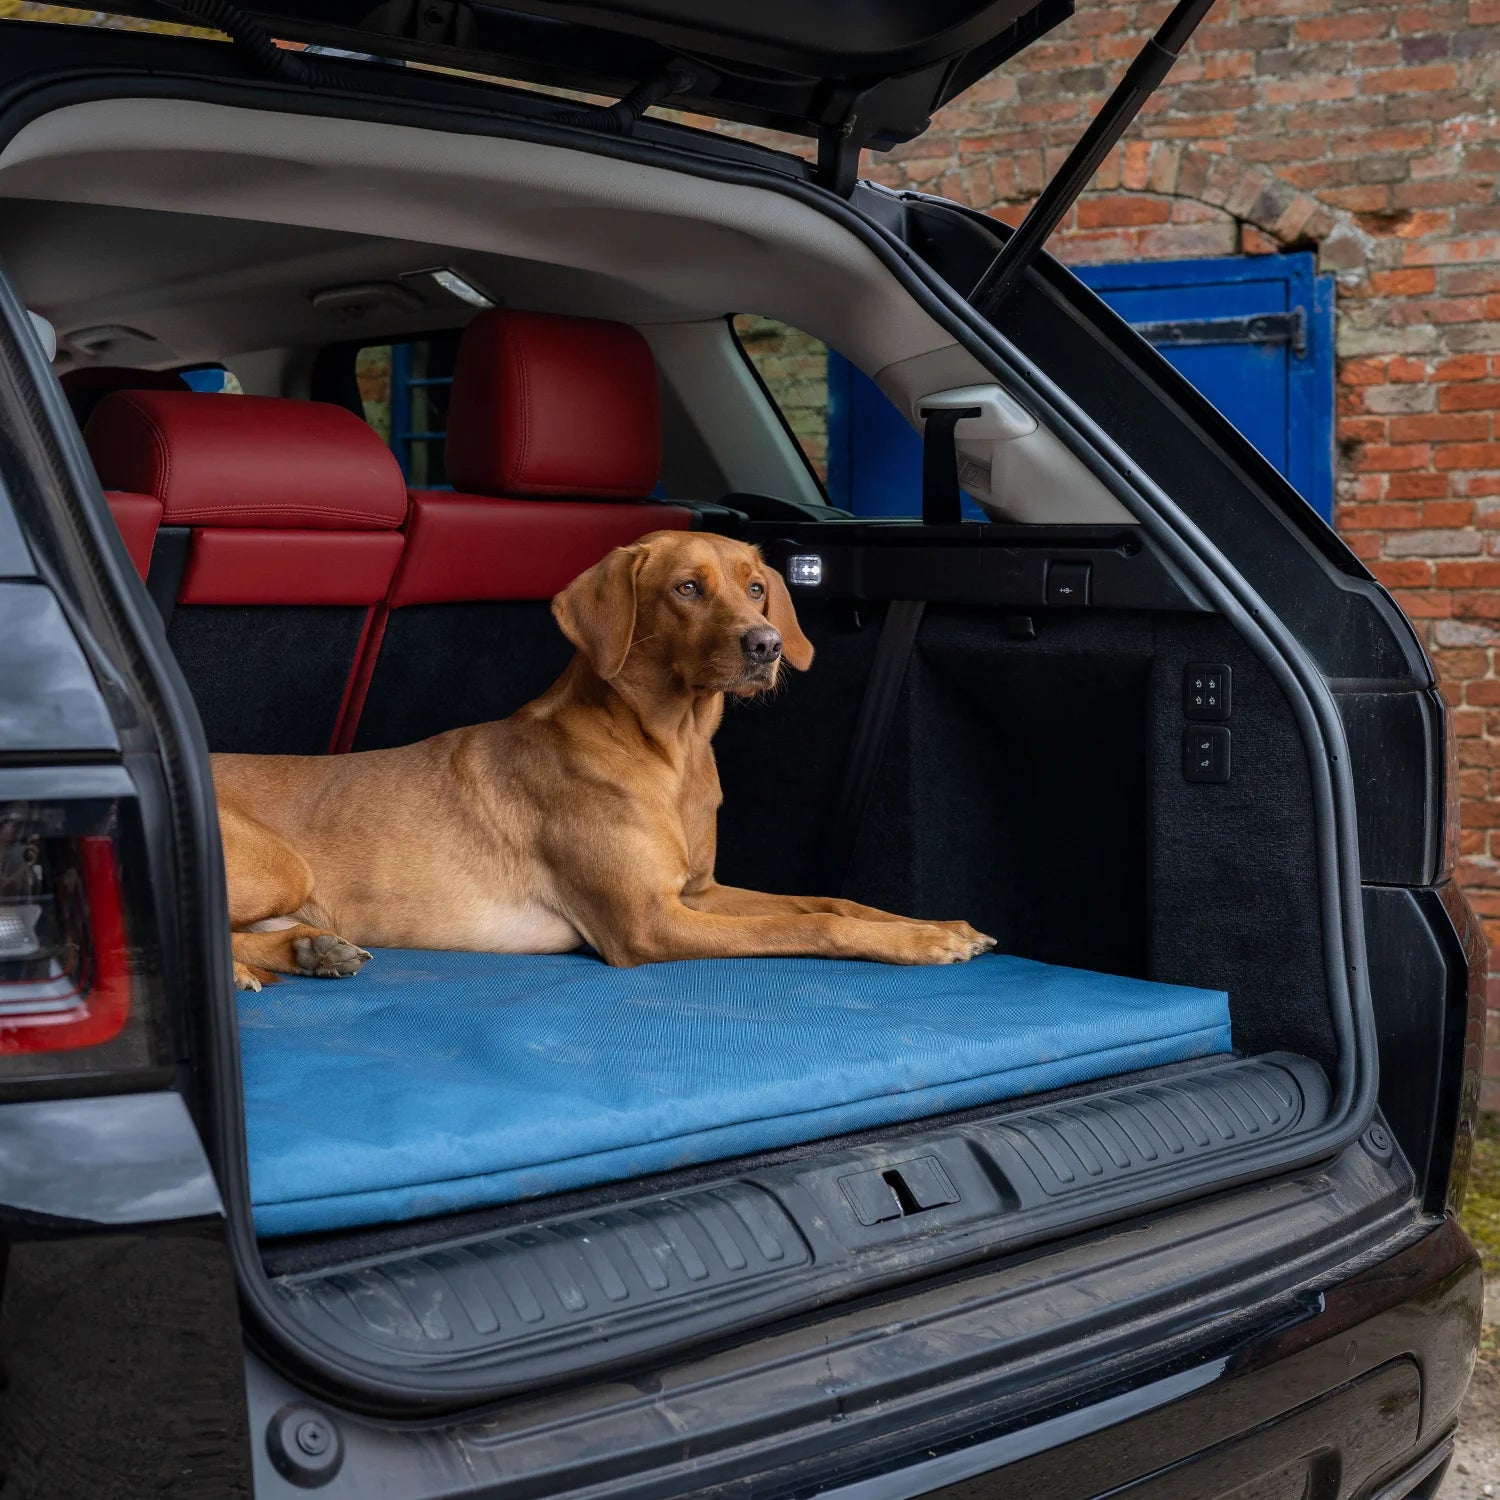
x: 434, y: 1082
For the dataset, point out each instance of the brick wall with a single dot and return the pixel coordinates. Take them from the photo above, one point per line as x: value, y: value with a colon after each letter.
x: 1366, y: 132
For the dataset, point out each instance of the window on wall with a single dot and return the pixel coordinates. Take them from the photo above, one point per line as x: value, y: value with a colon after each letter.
x: 793, y: 367
x: 404, y: 388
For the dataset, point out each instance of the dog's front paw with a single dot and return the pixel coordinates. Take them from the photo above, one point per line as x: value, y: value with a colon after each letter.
x: 972, y: 934
x: 945, y: 943
x: 244, y: 978
x: 328, y: 956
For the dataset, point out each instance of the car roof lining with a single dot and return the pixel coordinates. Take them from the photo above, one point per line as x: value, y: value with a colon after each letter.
x: 218, y: 222
x: 643, y: 243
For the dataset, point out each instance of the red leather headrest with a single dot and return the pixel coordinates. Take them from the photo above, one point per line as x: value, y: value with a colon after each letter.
x: 86, y: 387
x: 247, y: 461
x: 546, y: 405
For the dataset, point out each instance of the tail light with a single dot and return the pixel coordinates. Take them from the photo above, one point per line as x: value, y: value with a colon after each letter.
x: 73, y: 964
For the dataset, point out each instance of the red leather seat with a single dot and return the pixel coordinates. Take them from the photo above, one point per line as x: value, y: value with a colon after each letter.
x: 553, y: 445
x: 290, y: 512
x: 137, y: 516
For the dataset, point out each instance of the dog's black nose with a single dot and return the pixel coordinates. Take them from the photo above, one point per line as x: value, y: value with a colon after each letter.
x: 762, y: 644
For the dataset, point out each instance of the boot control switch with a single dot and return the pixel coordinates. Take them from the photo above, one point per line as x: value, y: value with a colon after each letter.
x: 1205, y: 754
x: 1068, y: 583
x: 1205, y: 690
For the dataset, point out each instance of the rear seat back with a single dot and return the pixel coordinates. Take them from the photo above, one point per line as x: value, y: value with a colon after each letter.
x: 554, y: 442
x: 137, y: 517
x: 285, y: 518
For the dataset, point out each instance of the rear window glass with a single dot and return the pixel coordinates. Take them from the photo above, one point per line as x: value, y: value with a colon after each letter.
x: 863, y: 450
x: 404, y: 389
x: 794, y: 368
x: 213, y: 380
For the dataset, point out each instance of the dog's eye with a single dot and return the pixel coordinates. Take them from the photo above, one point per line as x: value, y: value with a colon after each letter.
x: 689, y: 589
x: 757, y: 591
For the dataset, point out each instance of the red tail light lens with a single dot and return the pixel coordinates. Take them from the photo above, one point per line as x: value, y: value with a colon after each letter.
x: 66, y: 959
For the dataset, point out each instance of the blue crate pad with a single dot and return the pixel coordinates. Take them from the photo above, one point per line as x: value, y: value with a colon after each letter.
x: 433, y: 1082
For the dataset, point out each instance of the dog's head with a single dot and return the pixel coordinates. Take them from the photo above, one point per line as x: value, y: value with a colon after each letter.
x: 704, y: 612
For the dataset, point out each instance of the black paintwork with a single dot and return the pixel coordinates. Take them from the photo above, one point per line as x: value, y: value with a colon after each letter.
x: 1102, y: 1362
x: 864, y: 73
x: 51, y: 702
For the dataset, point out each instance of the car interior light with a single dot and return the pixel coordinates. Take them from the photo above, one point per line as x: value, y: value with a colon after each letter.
x: 805, y: 569
x: 455, y: 285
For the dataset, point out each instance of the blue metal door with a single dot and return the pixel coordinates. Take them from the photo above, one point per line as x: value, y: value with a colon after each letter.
x: 1254, y: 334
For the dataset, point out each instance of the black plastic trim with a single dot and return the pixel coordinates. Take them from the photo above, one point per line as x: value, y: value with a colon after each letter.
x: 999, y: 567
x: 555, y: 1296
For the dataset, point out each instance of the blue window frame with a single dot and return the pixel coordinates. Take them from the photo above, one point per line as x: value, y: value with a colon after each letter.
x: 421, y: 378
x: 1254, y: 334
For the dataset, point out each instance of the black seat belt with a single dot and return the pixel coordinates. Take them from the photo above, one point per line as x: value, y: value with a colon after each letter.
x: 940, y: 499
x: 877, y: 712
x: 169, y: 555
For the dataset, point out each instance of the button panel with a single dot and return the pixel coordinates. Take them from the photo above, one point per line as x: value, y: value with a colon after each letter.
x: 1068, y: 583
x: 1205, y: 690
x: 1206, y: 754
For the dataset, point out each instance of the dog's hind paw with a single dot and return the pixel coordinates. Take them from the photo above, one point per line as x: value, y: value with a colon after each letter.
x: 245, y: 979
x: 328, y: 956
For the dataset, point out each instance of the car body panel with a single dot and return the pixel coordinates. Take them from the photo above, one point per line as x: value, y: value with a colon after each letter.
x: 879, y: 66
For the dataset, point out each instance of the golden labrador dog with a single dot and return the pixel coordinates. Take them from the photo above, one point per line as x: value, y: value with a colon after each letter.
x: 588, y: 816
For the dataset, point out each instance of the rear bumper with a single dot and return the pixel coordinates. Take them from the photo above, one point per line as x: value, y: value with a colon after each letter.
x: 1357, y: 1399
x: 1313, y: 1324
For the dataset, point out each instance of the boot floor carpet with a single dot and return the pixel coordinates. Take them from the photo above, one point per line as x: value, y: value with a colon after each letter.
x: 434, y: 1082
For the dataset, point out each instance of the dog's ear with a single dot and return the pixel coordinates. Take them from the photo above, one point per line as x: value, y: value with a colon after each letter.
x: 597, y: 610
x: 795, y: 646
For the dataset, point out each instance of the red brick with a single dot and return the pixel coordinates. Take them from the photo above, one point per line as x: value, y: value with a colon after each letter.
x: 1465, y: 367
x: 1403, y: 283
x: 1448, y: 512
x: 1344, y: 28
x: 1466, y: 456
x: 1407, y: 370
x: 1411, y: 572
x: 1453, y: 252
x: 1103, y: 213
x: 1365, y: 545
x: 1484, y: 605
x: 1426, y: 604
x: 1391, y: 517
x: 1362, y: 372
x: 1416, y: 226
x: 1401, y: 456
x: 1419, y: 485
x: 1423, y: 80
x: 1305, y: 90
x: 1470, y: 575
x: 1436, y: 427
x: 1470, y: 396
x: 1472, y: 279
